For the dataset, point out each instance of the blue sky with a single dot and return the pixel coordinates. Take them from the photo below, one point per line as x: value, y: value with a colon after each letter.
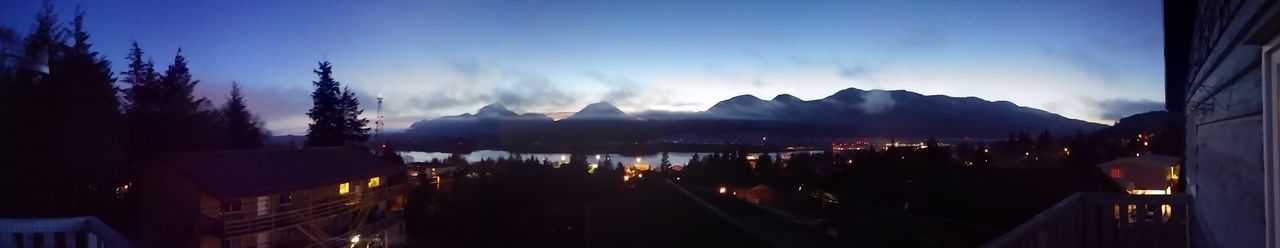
x: 1090, y: 60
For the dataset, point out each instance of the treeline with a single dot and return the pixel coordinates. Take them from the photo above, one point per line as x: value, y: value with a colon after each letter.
x: 72, y: 130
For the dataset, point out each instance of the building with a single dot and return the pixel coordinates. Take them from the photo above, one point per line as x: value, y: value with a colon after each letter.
x: 1220, y: 71
x: 327, y: 197
x: 1144, y: 175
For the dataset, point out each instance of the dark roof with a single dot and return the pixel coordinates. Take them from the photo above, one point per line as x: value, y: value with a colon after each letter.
x: 1148, y: 160
x: 234, y: 174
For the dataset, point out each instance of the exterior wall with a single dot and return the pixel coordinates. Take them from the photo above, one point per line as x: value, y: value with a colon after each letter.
x: 1224, y: 125
x: 168, y: 206
x: 302, y: 199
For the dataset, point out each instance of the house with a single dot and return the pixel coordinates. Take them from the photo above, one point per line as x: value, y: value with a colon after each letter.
x: 1149, y: 174
x: 324, y: 197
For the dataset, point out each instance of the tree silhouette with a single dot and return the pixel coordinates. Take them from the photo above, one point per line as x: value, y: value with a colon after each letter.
x: 244, y: 131
x: 328, y: 118
x: 354, y: 127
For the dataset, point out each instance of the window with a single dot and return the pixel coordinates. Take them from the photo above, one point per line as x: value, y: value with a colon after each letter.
x: 286, y: 198
x: 1117, y: 173
x: 375, y: 182
x: 231, y: 206
x: 344, y: 188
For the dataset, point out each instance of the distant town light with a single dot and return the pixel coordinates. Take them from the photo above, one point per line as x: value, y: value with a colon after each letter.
x: 626, y: 178
x: 723, y: 189
x: 597, y: 156
x: 637, y: 160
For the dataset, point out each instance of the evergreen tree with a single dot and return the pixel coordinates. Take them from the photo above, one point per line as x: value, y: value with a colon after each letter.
x: 143, y: 83
x: 82, y: 90
x: 24, y: 149
x: 354, y: 127
x: 327, y: 116
x: 176, y: 90
x: 162, y: 112
x: 244, y: 132
x: 140, y: 99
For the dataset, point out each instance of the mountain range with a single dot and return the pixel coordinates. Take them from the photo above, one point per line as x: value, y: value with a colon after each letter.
x: 847, y: 113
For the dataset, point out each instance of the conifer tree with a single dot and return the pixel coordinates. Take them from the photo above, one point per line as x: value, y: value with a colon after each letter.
x: 327, y: 116
x: 354, y: 127
x: 244, y: 132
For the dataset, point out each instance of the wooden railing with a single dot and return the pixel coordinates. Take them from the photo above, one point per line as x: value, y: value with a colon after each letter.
x: 1105, y: 220
x: 73, y: 232
x: 226, y: 227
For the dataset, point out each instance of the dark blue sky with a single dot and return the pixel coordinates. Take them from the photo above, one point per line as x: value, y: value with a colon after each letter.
x: 1090, y: 60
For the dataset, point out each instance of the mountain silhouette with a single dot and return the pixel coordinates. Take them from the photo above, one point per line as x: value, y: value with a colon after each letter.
x: 847, y: 113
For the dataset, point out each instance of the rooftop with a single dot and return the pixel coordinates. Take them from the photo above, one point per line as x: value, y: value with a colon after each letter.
x: 234, y: 174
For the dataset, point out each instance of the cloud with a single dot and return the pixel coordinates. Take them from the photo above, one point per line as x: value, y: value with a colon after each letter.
x: 876, y: 101
x: 519, y: 90
x: 1088, y: 63
x: 854, y: 72
x: 621, y: 88
x: 467, y: 68
x: 1115, y: 109
x: 923, y: 38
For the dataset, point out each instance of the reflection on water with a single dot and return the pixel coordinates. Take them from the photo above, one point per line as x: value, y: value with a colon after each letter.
x: 676, y: 158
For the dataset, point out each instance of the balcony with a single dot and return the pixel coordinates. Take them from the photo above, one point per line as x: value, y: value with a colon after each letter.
x: 59, y: 232
x: 1105, y: 220
x: 230, y: 227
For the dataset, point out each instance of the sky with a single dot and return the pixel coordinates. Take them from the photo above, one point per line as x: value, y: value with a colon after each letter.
x: 1093, y: 60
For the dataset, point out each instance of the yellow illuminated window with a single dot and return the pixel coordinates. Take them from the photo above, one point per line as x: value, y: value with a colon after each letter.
x: 344, y: 188
x: 375, y: 182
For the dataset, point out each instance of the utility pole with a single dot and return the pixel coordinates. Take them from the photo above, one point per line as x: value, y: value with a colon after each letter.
x: 377, y: 128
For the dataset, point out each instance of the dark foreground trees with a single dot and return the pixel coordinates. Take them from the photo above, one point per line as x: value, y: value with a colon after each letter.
x: 68, y: 141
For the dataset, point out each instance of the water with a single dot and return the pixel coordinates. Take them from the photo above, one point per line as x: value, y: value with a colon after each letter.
x: 676, y: 158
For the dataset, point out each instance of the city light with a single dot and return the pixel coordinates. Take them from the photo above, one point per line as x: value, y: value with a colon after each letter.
x: 723, y: 190
x: 626, y: 178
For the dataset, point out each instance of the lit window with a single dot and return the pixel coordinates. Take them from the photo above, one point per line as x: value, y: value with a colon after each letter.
x: 230, y: 206
x: 1116, y: 173
x: 344, y: 188
x: 375, y: 182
